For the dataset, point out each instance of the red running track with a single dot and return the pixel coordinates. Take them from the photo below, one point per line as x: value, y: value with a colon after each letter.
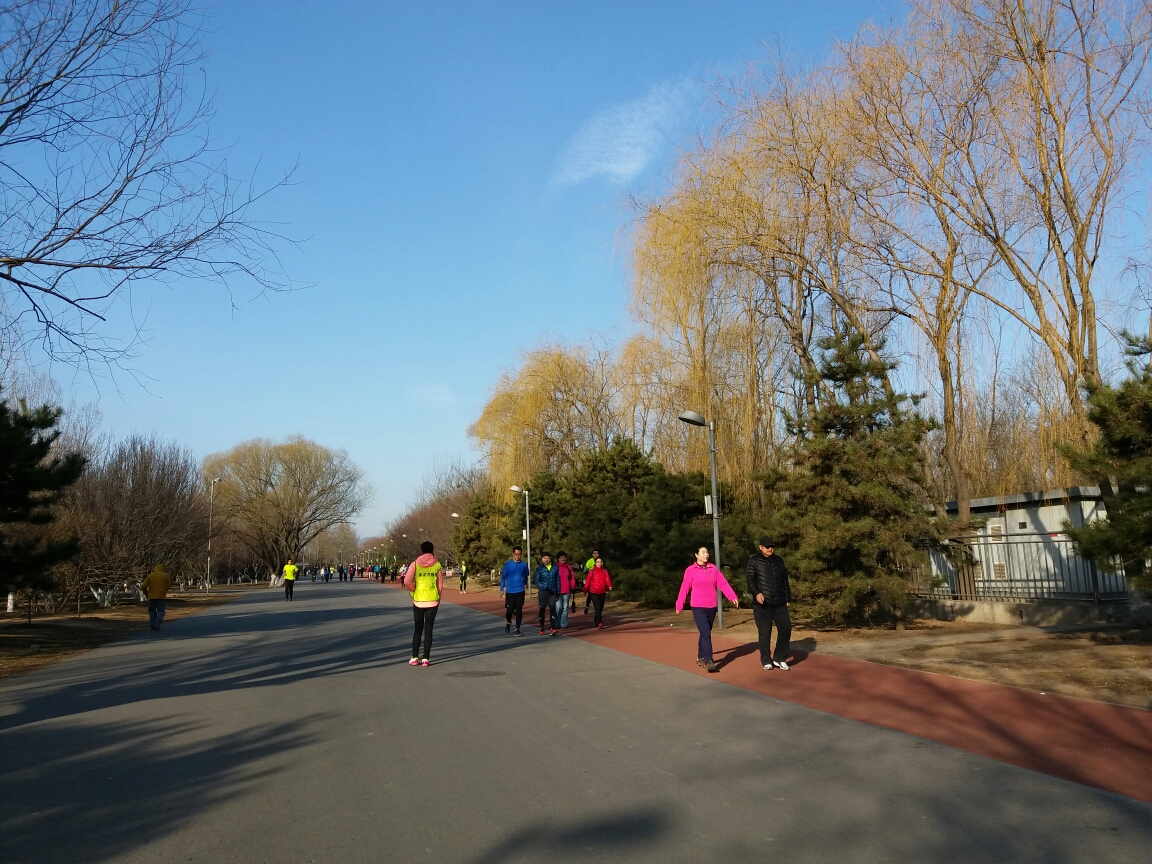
x: 1094, y: 743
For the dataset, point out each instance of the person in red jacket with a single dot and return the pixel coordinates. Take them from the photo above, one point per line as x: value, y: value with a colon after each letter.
x: 597, y: 584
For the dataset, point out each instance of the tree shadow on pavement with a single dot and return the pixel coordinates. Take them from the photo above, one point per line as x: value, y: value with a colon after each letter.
x: 92, y: 791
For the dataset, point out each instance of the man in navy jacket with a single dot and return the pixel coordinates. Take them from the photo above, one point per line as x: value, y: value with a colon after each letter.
x: 547, y: 578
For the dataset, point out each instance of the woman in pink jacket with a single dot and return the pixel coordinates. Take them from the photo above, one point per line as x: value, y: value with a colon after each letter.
x: 700, y: 582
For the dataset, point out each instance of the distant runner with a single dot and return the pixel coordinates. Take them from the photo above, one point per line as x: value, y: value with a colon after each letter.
x: 289, y: 579
x: 425, y: 581
x: 463, y: 578
x: 513, y: 581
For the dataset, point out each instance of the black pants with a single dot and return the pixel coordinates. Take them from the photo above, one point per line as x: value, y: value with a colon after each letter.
x: 463, y: 582
x: 598, y: 605
x: 514, y: 605
x: 547, y: 601
x: 288, y: 583
x: 425, y: 619
x: 765, y: 617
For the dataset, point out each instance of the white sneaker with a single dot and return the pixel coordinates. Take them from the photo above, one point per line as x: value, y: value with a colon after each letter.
x: 780, y: 664
x: 767, y: 665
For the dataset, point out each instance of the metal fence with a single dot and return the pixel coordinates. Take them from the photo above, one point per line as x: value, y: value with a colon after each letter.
x: 1036, y: 567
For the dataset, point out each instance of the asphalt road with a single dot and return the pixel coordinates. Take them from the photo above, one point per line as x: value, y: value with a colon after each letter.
x: 266, y: 731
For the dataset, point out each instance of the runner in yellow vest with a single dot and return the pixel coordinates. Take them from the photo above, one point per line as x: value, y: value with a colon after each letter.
x: 425, y: 581
x: 289, y: 579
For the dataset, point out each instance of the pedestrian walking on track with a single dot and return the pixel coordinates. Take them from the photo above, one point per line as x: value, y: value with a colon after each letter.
x: 588, y: 565
x: 567, y: 587
x: 598, y: 584
x: 547, y: 578
x: 425, y: 581
x: 155, y: 586
x: 701, y: 580
x: 513, y: 582
x: 771, y: 595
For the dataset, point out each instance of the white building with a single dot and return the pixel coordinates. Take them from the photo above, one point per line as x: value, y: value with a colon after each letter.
x: 1020, y: 552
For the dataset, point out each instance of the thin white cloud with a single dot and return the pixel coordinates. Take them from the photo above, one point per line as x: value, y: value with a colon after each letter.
x: 431, y: 394
x: 618, y: 143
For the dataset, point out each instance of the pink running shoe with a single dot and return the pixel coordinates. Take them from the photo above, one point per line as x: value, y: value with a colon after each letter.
x: 413, y: 662
x: 423, y: 662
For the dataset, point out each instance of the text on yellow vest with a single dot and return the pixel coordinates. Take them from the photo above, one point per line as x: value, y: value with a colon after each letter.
x: 425, y: 590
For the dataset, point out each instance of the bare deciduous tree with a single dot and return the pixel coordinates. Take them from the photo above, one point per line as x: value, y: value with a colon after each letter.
x: 107, y: 173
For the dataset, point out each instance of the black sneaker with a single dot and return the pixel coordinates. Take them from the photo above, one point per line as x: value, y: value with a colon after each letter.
x: 518, y: 633
x: 712, y: 667
x: 507, y: 629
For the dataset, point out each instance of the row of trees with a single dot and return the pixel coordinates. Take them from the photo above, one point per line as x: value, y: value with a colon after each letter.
x: 957, y: 188
x: 85, y: 515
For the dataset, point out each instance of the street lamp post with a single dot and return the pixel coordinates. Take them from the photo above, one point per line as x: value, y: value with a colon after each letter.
x: 694, y: 419
x: 527, y: 534
x: 211, y: 505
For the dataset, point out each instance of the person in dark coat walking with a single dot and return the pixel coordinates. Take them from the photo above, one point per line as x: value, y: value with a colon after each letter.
x: 771, y: 596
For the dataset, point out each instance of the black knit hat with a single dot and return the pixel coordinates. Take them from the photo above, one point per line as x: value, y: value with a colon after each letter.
x: 426, y: 547
x: 767, y: 542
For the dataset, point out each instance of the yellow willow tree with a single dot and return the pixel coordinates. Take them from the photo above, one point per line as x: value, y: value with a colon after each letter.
x: 719, y: 354
x: 560, y: 403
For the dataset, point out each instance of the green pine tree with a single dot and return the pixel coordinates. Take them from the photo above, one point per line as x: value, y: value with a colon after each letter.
x: 31, y: 482
x: 1121, y: 459
x: 850, y: 514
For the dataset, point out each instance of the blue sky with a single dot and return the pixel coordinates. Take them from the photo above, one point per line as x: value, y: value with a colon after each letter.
x: 460, y: 191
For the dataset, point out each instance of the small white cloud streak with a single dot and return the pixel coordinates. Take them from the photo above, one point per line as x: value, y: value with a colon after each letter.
x: 431, y: 394
x: 619, y: 142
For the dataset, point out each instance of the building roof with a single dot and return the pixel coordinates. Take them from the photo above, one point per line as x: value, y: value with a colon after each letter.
x: 1024, y: 499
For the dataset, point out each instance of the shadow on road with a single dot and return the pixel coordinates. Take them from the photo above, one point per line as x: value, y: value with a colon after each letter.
x: 95, y: 791
x: 620, y: 834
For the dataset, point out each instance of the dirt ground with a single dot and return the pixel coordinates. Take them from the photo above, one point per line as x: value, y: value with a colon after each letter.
x: 1108, y: 663
x: 49, y: 638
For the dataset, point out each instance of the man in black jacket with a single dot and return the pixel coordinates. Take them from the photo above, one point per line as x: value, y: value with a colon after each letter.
x: 768, y: 584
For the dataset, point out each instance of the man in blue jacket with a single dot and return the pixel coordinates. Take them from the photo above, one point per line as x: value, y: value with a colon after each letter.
x: 547, y: 579
x: 513, y: 581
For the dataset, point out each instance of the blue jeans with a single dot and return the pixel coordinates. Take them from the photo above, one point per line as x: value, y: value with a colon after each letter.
x: 155, y: 613
x: 562, y: 607
x: 704, y: 618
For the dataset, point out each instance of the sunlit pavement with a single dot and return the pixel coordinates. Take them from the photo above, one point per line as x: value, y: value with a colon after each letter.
x: 282, y: 732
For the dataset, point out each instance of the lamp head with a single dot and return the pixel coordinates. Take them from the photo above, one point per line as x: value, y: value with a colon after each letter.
x: 693, y: 418
x: 515, y: 489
